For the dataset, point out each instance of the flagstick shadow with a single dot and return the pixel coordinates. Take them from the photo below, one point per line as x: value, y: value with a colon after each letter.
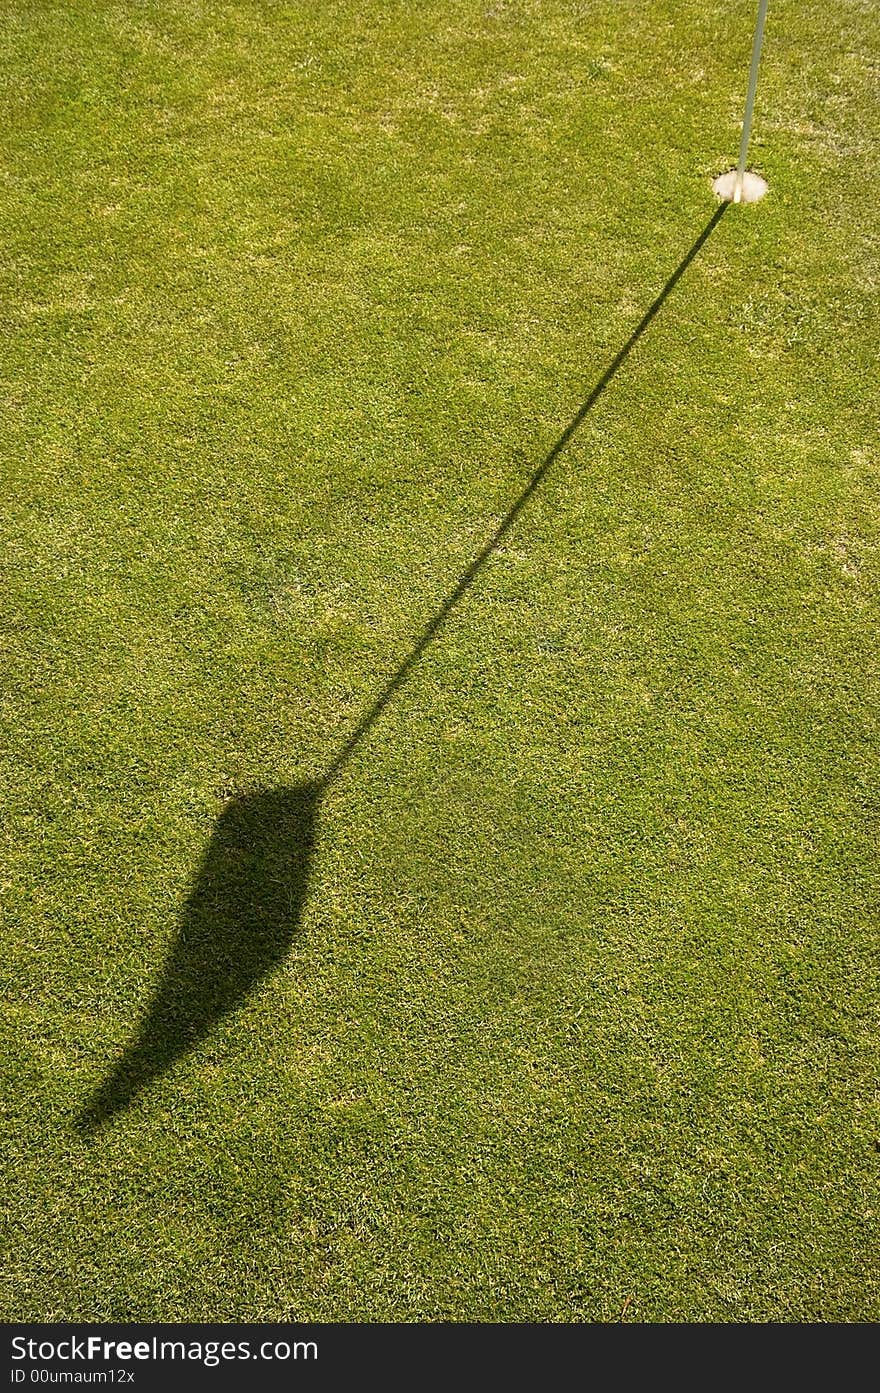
x: 241, y: 916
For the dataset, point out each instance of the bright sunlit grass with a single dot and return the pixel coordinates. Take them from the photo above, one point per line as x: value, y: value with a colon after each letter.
x: 570, y: 1002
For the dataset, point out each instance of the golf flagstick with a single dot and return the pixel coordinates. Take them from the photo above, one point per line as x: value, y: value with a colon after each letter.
x: 738, y: 185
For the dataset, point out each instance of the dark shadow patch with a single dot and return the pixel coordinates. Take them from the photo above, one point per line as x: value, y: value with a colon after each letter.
x: 236, y: 927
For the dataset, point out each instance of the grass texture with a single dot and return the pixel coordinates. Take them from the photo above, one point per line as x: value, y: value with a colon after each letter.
x: 555, y: 996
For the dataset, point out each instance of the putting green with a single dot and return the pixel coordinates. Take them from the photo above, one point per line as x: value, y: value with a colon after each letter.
x: 557, y: 1000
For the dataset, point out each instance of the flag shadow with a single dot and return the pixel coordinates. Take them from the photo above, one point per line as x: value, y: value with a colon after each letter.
x: 244, y: 909
x: 236, y: 927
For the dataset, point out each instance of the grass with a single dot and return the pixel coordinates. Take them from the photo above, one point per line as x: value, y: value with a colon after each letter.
x: 578, y: 1010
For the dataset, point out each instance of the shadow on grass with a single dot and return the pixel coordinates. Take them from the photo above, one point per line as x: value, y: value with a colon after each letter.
x: 241, y: 916
x: 236, y: 926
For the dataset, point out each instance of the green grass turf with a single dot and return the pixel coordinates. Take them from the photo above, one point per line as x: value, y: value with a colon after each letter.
x: 580, y: 1012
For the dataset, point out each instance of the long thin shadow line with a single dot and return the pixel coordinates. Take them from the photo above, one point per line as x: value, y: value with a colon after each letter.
x: 246, y: 900
x: 468, y: 577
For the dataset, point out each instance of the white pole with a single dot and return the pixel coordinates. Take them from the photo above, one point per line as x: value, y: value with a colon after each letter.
x: 750, y: 99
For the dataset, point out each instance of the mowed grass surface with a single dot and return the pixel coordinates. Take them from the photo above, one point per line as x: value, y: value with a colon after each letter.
x: 581, y: 1010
